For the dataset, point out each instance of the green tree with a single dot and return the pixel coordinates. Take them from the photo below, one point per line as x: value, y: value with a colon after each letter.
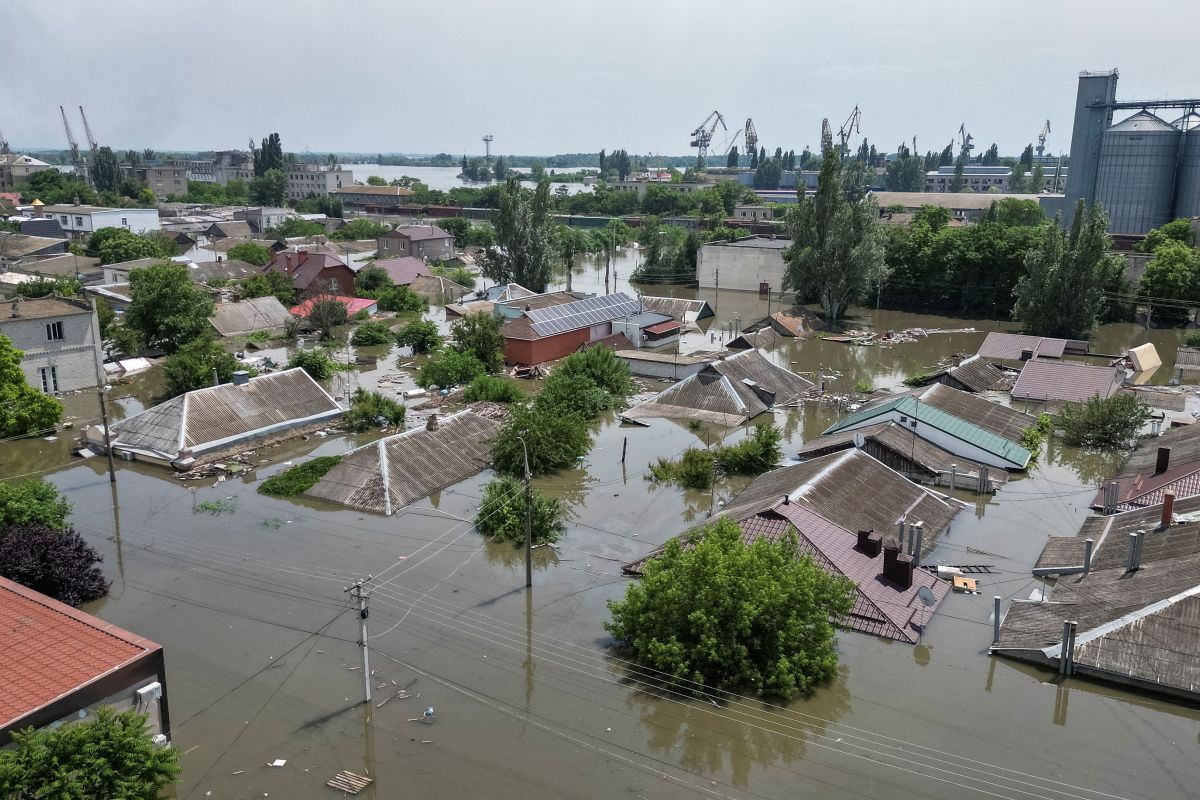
x: 116, y: 245
x: 371, y: 410
x: 991, y: 156
x: 555, y: 437
x: 1062, y: 291
x: 449, y: 367
x: 267, y: 283
x: 270, y: 188
x: 1179, y: 230
x: 371, y: 333
x: 906, y: 172
x: 371, y: 280
x: 361, y: 228
x: 1173, y: 274
x: 33, y: 502
x: 295, y: 226
x: 500, y: 169
x: 600, y: 367
x: 105, y: 171
x: 526, y: 253
x: 166, y: 309
x: 731, y: 159
x: 105, y: 316
x: 111, y: 756
x: 400, y: 299
x: 23, y: 409
x: 191, y: 366
x: 1026, y: 160
x: 269, y: 156
x: 837, y: 245
x: 492, y: 389
x: 956, y: 183
x: 1109, y: 424
x: 947, y: 156
x: 375, y: 180
x: 251, y: 253
x: 501, y: 513
x: 422, y: 336
x: 326, y: 314
x: 316, y: 362
x: 768, y: 174
x: 480, y: 336
x: 716, y: 613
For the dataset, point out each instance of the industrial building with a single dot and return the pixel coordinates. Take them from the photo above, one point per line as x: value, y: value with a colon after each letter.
x: 1144, y: 170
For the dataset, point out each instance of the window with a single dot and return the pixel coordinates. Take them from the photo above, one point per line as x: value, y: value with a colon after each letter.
x: 124, y: 222
x: 49, y: 378
x: 79, y: 221
x: 54, y: 331
x: 63, y: 220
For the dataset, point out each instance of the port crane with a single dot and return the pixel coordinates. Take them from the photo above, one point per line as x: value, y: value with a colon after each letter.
x: 751, y: 136
x: 702, y: 136
x: 3, y: 144
x: 1041, y: 147
x: 851, y: 125
x: 487, y: 148
x: 78, y: 162
x: 966, y: 138
x: 87, y: 129
x: 826, y: 136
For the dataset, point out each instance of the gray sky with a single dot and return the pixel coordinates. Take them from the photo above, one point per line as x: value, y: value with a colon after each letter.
x: 547, y: 76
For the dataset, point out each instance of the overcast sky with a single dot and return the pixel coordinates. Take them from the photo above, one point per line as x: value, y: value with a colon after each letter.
x: 548, y: 76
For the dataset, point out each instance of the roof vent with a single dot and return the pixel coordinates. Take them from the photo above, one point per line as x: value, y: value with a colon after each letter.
x: 432, y: 424
x: 241, y: 377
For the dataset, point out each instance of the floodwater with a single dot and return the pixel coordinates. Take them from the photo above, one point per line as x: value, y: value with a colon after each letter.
x: 262, y: 659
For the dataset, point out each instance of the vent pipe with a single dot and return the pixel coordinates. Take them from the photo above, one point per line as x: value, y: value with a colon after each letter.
x: 919, y: 531
x: 216, y: 379
x: 241, y: 377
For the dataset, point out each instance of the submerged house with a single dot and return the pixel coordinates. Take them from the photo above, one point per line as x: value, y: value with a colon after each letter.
x: 1019, y: 347
x: 1043, y: 381
x: 205, y: 422
x: 974, y: 374
x: 545, y: 334
x: 847, y: 511
x: 1126, y: 602
x: 728, y: 391
x: 247, y: 316
x: 1161, y: 464
x: 386, y: 475
x: 683, y: 310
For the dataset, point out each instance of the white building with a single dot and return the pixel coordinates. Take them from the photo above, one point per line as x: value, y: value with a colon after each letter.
x: 79, y: 221
x: 61, y: 341
x: 753, y: 264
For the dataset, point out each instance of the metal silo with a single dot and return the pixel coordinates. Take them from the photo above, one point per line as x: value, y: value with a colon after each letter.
x: 1136, y: 177
x: 1187, y: 182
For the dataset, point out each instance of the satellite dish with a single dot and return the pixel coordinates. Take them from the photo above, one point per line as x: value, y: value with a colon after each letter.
x: 859, y: 440
x: 926, y: 596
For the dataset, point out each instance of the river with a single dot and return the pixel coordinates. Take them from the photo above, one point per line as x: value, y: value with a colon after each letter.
x: 528, y: 701
x: 444, y: 178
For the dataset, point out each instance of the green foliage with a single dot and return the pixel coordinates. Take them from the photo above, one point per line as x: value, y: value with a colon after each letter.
x: 697, y: 468
x: 449, y: 367
x: 111, y: 756
x: 725, y: 615
x: 267, y: 283
x: 422, y: 336
x: 526, y: 253
x: 371, y: 333
x: 502, y: 513
x: 399, y: 299
x: 105, y: 317
x: 269, y: 188
x: 768, y: 174
x: 215, y: 508
x: 1108, y: 424
x: 1178, y: 230
x: 295, y: 226
x: 906, y: 172
x: 463, y: 277
x: 54, y: 561
x: 375, y: 180
x: 316, y: 362
x: 556, y: 439
x: 23, y: 409
x: 370, y: 281
x: 117, y: 245
x: 864, y: 387
x: 371, y: 410
x: 1062, y: 291
x: 43, y: 287
x: 331, y: 207
x: 480, y: 336
x: 923, y: 379
x: 124, y: 339
x: 1033, y: 436
x: 106, y: 171
x: 360, y: 228
x: 1192, y: 339
x: 1172, y: 274
x: 166, y: 309
x: 251, y: 253
x: 326, y: 314
x: 269, y: 155
x: 236, y: 192
x: 601, y: 366
x: 53, y: 187
x: 33, y: 502
x: 298, y: 479
x: 492, y: 389
x: 191, y: 366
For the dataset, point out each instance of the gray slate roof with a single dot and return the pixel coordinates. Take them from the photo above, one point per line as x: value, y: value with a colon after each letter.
x: 1066, y: 381
x: 245, y: 316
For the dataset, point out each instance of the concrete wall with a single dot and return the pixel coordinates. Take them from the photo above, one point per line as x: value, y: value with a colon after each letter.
x: 137, y: 220
x: 74, y: 358
x: 741, y: 268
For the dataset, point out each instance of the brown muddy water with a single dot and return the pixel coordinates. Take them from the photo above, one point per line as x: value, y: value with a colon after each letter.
x: 261, y: 653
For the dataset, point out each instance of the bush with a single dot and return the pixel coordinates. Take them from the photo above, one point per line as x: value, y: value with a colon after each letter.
x: 480, y: 335
x: 54, y: 561
x: 33, y: 502
x: 864, y: 387
x: 315, y: 362
x: 555, y: 438
x: 492, y: 389
x: 251, y: 253
x: 192, y: 365
x: 1192, y: 339
x: 502, y: 513
x: 450, y: 368
x: 372, y: 410
x: 372, y: 280
x: 268, y: 283
x: 326, y: 314
x: 696, y: 468
x: 1033, y: 436
x: 1110, y: 424
x: 603, y: 368
x: 23, y: 409
x: 422, y: 336
x: 693, y: 470
x: 298, y: 479
x: 371, y: 333
x: 576, y: 394
x: 726, y: 615
x: 398, y: 299
x: 463, y: 277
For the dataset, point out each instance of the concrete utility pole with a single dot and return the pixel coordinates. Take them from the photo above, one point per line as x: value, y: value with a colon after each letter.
x: 100, y: 387
x: 356, y: 591
x: 528, y: 517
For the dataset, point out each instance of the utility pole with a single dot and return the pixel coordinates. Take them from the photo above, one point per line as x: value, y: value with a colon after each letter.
x: 356, y: 591
x: 528, y: 518
x: 100, y: 386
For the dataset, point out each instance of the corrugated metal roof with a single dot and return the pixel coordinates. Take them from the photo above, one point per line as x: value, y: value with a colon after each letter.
x: 582, y: 313
x: 1007, y: 423
x: 1067, y: 381
x: 1142, y: 121
x: 680, y: 308
x: 977, y: 375
x: 255, y: 314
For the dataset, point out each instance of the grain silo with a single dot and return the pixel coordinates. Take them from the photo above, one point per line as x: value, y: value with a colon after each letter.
x: 1135, y: 180
x: 1187, y: 182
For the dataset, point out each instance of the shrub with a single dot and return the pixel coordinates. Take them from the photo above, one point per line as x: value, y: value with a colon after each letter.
x: 463, y: 277
x: 555, y: 438
x: 267, y: 283
x: 326, y: 314
x: 480, y: 335
x: 918, y: 380
x: 54, y: 561
x: 251, y: 253
x: 422, y: 336
x: 1033, y: 436
x: 450, y: 368
x: 372, y: 280
x: 696, y: 468
x: 191, y: 366
x: 576, y: 394
x: 371, y: 333
x: 492, y: 389
x: 1192, y: 339
x: 602, y: 367
x: 298, y: 479
x: 33, y: 502
x: 398, y: 299
x: 315, y: 362
x: 693, y: 470
x: 502, y: 513
x: 864, y: 387
x: 372, y: 410
x: 1108, y: 424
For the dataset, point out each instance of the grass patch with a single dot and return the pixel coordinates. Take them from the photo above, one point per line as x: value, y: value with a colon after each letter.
x: 216, y: 507
x: 299, y: 478
x: 864, y: 387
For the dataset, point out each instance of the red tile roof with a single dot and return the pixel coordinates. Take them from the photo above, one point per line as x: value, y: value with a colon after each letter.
x: 353, y: 304
x: 403, y: 270
x: 49, y: 650
x: 663, y: 327
x: 304, y: 266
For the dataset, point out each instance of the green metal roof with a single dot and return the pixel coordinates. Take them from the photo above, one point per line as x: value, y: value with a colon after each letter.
x: 958, y: 428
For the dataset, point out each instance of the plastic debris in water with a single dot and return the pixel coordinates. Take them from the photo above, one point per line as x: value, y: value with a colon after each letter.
x: 428, y: 714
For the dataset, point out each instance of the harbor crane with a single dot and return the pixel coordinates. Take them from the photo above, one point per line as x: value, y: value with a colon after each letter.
x: 1041, y: 147
x: 702, y: 136
x: 78, y: 163
x: 826, y: 136
x: 851, y: 125
x: 87, y: 129
x: 751, y: 136
x: 967, y: 147
x: 3, y: 144
x: 487, y: 148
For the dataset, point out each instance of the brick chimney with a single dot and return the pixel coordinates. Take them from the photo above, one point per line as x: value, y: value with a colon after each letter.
x: 432, y: 424
x: 869, y: 543
x: 897, y: 566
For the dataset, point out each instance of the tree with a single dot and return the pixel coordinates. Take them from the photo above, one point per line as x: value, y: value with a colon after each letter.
x: 991, y: 156
x: 492, y: 389
x: 731, y: 159
x: 371, y: 280
x: 116, y: 245
x: 375, y: 180
x: 837, y: 245
x: 23, y: 409
x: 54, y: 561
x: 1173, y: 274
x: 109, y: 757
x: 191, y: 366
x: 555, y: 438
x: 1110, y: 423
x: 270, y: 188
x: 768, y: 175
x: 947, y: 156
x: 1062, y: 291
x: 295, y: 226
x: 1179, y: 230
x: 371, y: 333
x: 269, y: 156
x: 326, y: 314
x: 523, y: 231
x: 479, y: 335
x: 422, y: 336
x: 500, y: 169
x: 251, y: 253
x: 602, y: 165
x: 267, y: 283
x: 1026, y: 160
x: 371, y: 410
x: 449, y: 367
x: 315, y: 362
x: 1037, y: 180
x: 762, y: 155
x: 501, y: 513
x: 166, y: 308
x: 105, y: 171
x: 105, y: 316
x: 361, y: 228
x: 33, y: 502
x: 906, y: 172
x: 753, y: 159
x: 716, y: 613
x: 400, y: 299
x: 602, y: 369
x: 537, y: 171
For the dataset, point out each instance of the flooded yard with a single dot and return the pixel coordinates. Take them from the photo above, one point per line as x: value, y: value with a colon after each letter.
x: 246, y: 594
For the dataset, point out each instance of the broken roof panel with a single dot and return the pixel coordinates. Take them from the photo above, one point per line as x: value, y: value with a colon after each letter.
x: 1066, y: 381
x: 975, y: 374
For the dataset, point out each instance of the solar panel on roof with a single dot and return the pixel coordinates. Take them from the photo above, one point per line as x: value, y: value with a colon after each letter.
x: 581, y: 313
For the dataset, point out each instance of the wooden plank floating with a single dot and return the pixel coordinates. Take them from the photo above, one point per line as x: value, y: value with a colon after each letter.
x: 349, y: 782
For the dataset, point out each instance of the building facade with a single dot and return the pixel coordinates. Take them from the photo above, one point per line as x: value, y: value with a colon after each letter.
x: 165, y: 180
x: 420, y: 241
x: 16, y: 168
x: 78, y: 221
x: 373, y: 198
x: 747, y: 265
x: 60, y: 338
x: 975, y: 177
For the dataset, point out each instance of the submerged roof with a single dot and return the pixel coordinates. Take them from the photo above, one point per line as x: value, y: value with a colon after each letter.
x: 1067, y: 381
x: 245, y: 316
x: 386, y: 475
x: 216, y: 416
x: 1009, y: 346
x: 680, y: 308
x: 976, y: 374
x: 1005, y: 422
x: 1140, y: 483
x: 582, y: 313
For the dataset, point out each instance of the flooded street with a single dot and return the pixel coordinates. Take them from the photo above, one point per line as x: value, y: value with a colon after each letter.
x: 262, y: 661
